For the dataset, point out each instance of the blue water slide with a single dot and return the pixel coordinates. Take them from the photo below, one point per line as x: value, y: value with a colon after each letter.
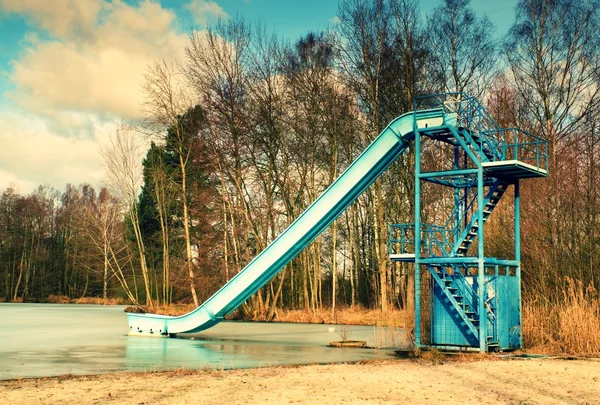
x: 384, y: 150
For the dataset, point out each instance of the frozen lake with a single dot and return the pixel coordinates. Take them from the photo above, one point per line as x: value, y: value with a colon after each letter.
x: 39, y: 340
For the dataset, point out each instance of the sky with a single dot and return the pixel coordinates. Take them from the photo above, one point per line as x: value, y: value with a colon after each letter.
x: 70, y: 70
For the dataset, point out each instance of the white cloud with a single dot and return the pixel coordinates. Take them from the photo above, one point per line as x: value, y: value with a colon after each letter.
x: 102, y: 74
x: 32, y: 155
x: 59, y: 17
x: 203, y: 9
x: 10, y: 180
x: 69, y: 91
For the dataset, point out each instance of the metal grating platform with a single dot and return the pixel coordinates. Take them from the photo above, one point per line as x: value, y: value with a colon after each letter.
x: 402, y: 257
x: 513, y: 168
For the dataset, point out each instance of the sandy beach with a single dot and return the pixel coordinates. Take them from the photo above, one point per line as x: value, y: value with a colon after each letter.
x: 488, y: 381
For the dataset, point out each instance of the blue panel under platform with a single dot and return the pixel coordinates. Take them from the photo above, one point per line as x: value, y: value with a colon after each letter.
x: 502, y: 310
x: 507, y: 309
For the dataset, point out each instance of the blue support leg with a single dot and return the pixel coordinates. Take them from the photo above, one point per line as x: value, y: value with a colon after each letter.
x: 417, y: 240
x: 481, y: 266
x: 518, y: 254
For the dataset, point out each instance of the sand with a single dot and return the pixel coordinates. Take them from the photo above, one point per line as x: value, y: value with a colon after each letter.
x: 488, y: 381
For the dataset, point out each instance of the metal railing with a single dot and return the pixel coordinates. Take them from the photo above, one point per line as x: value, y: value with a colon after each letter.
x: 435, y: 240
x: 504, y: 143
x: 402, y: 239
x: 523, y: 146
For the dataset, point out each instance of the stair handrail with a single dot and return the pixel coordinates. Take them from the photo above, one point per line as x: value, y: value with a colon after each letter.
x: 470, y: 110
x: 466, y: 289
x: 471, y: 221
x: 458, y: 229
x: 442, y: 243
x: 483, y: 123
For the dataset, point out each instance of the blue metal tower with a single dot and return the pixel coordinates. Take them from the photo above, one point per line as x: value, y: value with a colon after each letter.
x: 465, y: 300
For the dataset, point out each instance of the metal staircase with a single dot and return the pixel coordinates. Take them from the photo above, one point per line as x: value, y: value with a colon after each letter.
x: 457, y: 301
x: 474, y: 300
x: 470, y: 233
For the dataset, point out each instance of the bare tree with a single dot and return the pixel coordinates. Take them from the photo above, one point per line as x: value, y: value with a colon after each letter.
x: 411, y: 59
x: 122, y: 159
x: 216, y: 68
x: 463, y: 47
x: 553, y: 51
x: 364, y: 34
x: 101, y: 223
x: 166, y: 102
x: 266, y: 132
x: 163, y: 195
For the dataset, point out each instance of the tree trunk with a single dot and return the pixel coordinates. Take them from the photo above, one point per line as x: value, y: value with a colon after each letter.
x: 186, y: 230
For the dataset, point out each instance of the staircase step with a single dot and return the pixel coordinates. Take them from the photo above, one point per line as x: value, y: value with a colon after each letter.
x: 452, y: 299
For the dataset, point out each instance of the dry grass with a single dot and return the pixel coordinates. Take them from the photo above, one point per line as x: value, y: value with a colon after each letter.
x: 568, y: 327
x: 62, y: 299
x: 173, y: 309
x: 59, y: 299
x: 100, y: 301
x: 347, y: 316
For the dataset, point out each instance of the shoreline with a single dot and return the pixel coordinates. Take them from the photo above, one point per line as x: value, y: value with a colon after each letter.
x: 343, y: 316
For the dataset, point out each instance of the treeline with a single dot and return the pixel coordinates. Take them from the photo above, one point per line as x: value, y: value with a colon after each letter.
x: 249, y: 130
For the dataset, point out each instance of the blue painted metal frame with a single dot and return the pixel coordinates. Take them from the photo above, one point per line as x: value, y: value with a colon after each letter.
x: 467, y: 312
